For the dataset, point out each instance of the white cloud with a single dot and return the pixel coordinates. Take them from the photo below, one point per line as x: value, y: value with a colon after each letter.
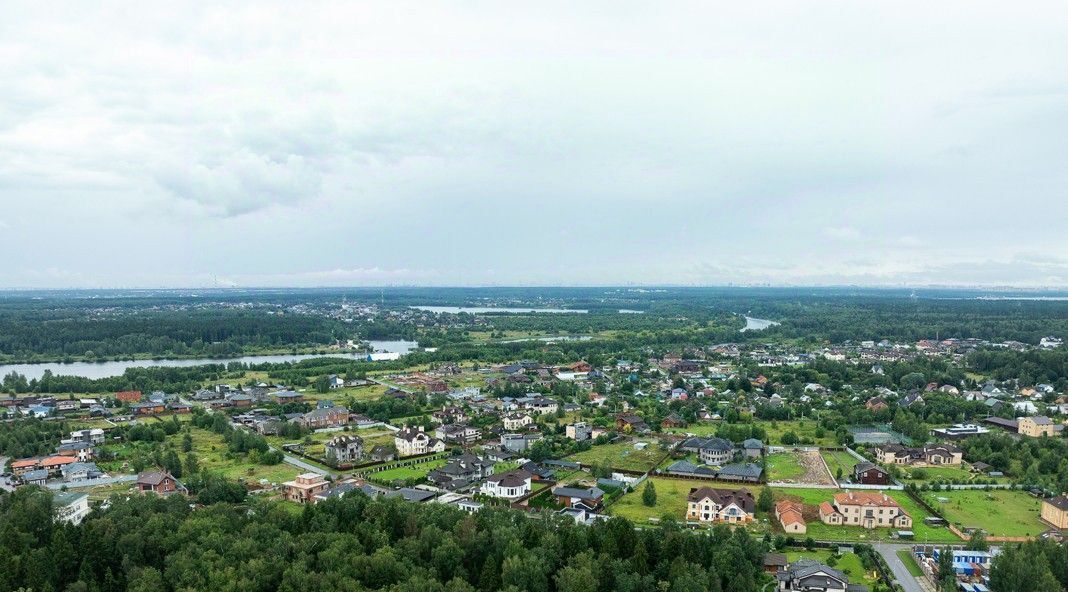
x: 260, y: 142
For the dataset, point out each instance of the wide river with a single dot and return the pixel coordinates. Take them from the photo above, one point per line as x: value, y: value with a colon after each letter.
x: 493, y: 309
x: 117, y: 368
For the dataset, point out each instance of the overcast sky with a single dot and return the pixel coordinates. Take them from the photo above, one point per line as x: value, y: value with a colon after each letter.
x: 459, y: 143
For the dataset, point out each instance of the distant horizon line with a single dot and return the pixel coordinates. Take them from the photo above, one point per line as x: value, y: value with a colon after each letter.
x: 992, y: 287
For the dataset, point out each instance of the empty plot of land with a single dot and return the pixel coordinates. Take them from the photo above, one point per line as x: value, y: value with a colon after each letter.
x: 1001, y: 512
x: 623, y: 455
x: 801, y: 467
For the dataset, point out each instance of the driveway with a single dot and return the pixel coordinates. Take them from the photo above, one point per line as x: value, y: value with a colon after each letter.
x: 901, y: 573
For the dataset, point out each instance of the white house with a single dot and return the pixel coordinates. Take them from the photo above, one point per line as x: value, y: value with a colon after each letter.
x: 411, y: 441
x: 70, y: 507
x: 511, y: 485
x: 514, y: 421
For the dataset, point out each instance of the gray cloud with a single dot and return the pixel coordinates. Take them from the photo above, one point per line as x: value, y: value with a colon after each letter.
x: 459, y: 143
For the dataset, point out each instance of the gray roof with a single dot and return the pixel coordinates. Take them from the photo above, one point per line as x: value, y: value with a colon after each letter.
x: 412, y: 495
x: 742, y: 470
x: 753, y: 444
x: 810, y: 568
x: 590, y: 493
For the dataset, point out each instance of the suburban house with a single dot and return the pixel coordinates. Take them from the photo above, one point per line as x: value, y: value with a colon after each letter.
x: 383, y: 453
x: 26, y: 465
x: 673, y: 420
x: 876, y: 404
x: 345, y: 449
x: 929, y: 454
x: 54, y: 464
x: 511, y: 485
x: 328, y: 417
x: 335, y: 382
x: 515, y: 421
x: 92, y: 436
x: 70, y: 507
x: 80, y: 471
x: 812, y: 576
x: 1055, y: 511
x: 707, y: 504
x: 542, y: 406
x: 579, y: 431
x: 159, y: 483
x: 631, y: 423
x: 518, y: 442
x: 713, y: 451
x: 791, y: 516
x: 1037, y: 426
x: 588, y: 499
x: 413, y: 440
x: 458, y: 433
x: 753, y: 448
x: 305, y: 487
x: 867, y: 509
x: 461, y: 471
x: 868, y: 473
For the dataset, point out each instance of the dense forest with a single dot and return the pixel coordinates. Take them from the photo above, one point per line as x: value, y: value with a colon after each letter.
x: 103, y: 325
x: 356, y: 543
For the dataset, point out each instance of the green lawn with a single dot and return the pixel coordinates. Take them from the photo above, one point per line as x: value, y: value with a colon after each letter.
x: 671, y: 500
x: 909, y: 560
x: 784, y: 466
x: 999, y: 512
x: 943, y: 475
x: 802, y: 427
x: 697, y: 429
x: 623, y: 455
x: 849, y: 564
x: 418, y: 471
x: 212, y: 454
x: 821, y: 531
x: 839, y: 459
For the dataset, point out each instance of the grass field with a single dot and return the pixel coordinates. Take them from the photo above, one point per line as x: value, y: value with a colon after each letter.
x: 623, y: 455
x: 784, y: 466
x: 102, y: 492
x: 821, y: 531
x: 849, y: 564
x: 910, y: 562
x: 945, y: 475
x: 418, y: 471
x: 671, y: 500
x: 839, y: 459
x: 212, y: 454
x: 999, y: 512
x: 697, y: 429
x: 802, y: 427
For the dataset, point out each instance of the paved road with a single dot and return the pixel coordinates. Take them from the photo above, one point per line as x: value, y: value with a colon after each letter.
x: 901, y: 573
x: 296, y: 462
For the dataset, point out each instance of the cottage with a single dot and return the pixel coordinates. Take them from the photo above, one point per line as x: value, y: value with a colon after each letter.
x: 753, y: 448
x: 458, y: 433
x: 1055, y: 511
x: 305, y: 487
x: 867, y: 509
x: 732, y: 506
x: 1038, y: 426
x: 159, y: 483
x: 411, y: 441
x: 329, y: 417
x: 515, y: 421
x: 383, y: 453
x: 579, y: 431
x: 810, y: 575
x: 791, y: 517
x: 868, y: 473
x: 631, y: 424
x: 589, y: 499
x: 673, y: 420
x: 344, y: 449
x: 69, y: 507
x: 929, y: 454
x: 461, y: 471
x: 510, y: 486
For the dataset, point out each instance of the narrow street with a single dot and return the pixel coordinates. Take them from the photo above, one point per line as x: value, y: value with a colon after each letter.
x: 901, y: 573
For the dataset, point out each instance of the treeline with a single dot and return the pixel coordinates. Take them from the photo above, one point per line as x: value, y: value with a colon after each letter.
x: 1036, y: 566
x: 1028, y: 367
x: 356, y: 543
x: 1041, y: 462
x: 30, y: 437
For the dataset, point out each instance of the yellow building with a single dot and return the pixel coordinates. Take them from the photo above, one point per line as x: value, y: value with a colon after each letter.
x: 1037, y: 426
x: 1055, y: 511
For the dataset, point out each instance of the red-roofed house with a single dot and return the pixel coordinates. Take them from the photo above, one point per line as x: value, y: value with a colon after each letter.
x: 129, y: 396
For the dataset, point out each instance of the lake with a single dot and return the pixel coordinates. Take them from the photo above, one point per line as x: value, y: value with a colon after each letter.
x: 493, y: 309
x: 755, y: 324
x: 117, y: 368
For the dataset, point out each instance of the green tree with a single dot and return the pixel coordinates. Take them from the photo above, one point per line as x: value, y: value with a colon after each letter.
x: 649, y: 494
x: 766, y: 500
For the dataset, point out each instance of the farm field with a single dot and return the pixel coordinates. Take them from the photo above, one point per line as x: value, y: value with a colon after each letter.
x: 671, y: 499
x: 849, y: 564
x: 999, y: 512
x: 623, y: 455
x: 801, y: 427
x: 839, y: 460
x: 821, y: 531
